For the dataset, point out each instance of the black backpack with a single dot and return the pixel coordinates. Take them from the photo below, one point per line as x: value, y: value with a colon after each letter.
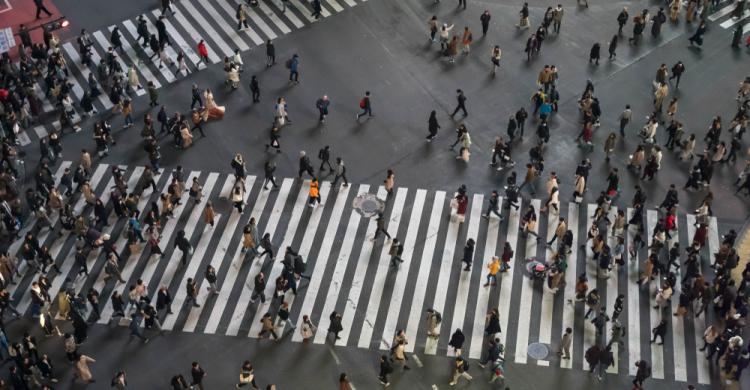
x: 438, y: 317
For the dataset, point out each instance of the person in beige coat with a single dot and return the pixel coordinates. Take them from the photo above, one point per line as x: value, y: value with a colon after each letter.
x: 86, y: 160
x: 659, y: 95
x: 307, y: 330
x: 580, y: 187
x: 209, y: 215
x: 82, y: 370
x: 88, y: 193
x: 54, y: 200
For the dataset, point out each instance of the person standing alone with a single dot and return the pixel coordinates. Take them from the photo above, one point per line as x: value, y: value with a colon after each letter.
x: 365, y: 105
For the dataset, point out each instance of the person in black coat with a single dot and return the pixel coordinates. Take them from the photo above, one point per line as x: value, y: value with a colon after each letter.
x: 457, y: 341
x: 432, y: 126
x: 164, y: 300
x: 613, y: 47
x: 594, y: 53
x: 697, y: 37
x: 335, y: 326
x: 468, y: 254
x: 493, y: 323
x: 657, y: 21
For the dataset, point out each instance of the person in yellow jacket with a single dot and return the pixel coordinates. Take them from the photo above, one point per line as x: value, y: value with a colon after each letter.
x: 493, y: 267
x: 314, y: 192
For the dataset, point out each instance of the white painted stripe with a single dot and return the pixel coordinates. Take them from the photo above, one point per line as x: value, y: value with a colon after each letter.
x: 122, y: 240
x: 731, y: 22
x: 337, y: 279
x: 420, y: 287
x: 40, y: 131
x: 678, y: 322
x: 13, y: 249
x: 268, y: 31
x: 243, y: 303
x: 347, y: 318
x: 137, y: 63
x: 655, y: 315
x: 133, y: 31
x: 302, y: 9
x: 612, y: 292
x: 195, y: 217
x: 120, y: 243
x: 220, y: 255
x: 46, y: 104
x: 545, y: 321
x: 464, y: 277
x: 148, y: 272
x: 323, y: 9
x: 634, y: 319
x: 569, y: 294
x: 190, y: 56
x: 75, y: 59
x: 238, y: 260
x: 506, y: 284
x: 249, y: 31
x: 336, y: 7
x: 206, y: 26
x: 23, y: 138
x: 322, y: 258
x: 277, y: 267
x: 105, y: 45
x: 399, y: 286
x: 483, y: 293
x: 194, y: 35
x: 378, y: 283
x: 200, y: 249
x: 700, y: 322
x: 589, y: 331
x: 270, y: 14
x: 56, y: 248
x: 350, y: 3
x: 527, y: 293
x: 441, y: 290
x: 307, y: 241
x: 721, y: 13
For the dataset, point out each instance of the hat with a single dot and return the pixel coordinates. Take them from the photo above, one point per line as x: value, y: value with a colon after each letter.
x: 105, y: 237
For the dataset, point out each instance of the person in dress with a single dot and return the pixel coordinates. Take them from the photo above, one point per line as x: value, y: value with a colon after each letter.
x: 212, y: 110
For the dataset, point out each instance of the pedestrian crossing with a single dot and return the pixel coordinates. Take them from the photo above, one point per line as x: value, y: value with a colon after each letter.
x: 726, y: 17
x: 351, y: 274
x: 214, y: 22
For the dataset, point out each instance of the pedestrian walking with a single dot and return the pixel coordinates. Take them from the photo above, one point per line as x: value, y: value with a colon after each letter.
x: 241, y: 16
x: 565, y: 343
x: 432, y: 126
x: 461, y: 100
x: 434, y: 318
x: 202, y: 50
x: 41, y: 8
x: 293, y: 66
x: 594, y: 53
x: 335, y: 325
x: 365, y: 105
x: 460, y: 370
x: 485, y: 20
x: 247, y: 376
x: 307, y: 329
x: 322, y: 105
x: 385, y: 369
x: 395, y: 252
x: 495, y: 58
x: 659, y: 331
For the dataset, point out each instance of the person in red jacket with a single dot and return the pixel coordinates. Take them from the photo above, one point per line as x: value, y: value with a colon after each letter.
x: 203, y: 52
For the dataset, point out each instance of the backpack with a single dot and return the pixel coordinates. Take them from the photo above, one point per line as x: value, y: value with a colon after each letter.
x: 438, y: 317
x: 362, y: 103
x: 466, y: 366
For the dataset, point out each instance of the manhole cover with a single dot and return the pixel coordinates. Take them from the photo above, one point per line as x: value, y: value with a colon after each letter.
x: 368, y: 205
x: 538, y: 351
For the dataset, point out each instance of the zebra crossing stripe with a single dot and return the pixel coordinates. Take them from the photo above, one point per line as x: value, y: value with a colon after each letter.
x: 483, y: 293
x: 105, y: 45
x: 25, y: 301
x: 231, y: 33
x: 721, y: 13
x: 612, y: 290
x: 277, y: 267
x: 570, y: 281
x: 198, y: 16
x: 243, y: 303
x: 545, y: 320
x: 75, y: 59
x: 464, y: 277
x: 446, y: 263
x: 268, y: 31
x: 678, y: 322
x: 634, y: 320
x: 302, y: 9
x: 23, y: 138
x: 731, y: 22
x: 381, y: 272
x: 420, y: 288
x: 220, y: 255
x: 322, y: 258
x: 192, y: 269
x: 277, y: 20
x: 141, y: 64
x: 137, y: 63
x: 190, y: 56
x: 194, y: 35
x: 336, y: 7
x: 347, y: 318
x: 46, y: 105
x: 655, y: 315
x: 237, y: 261
x: 527, y: 293
x: 40, y: 131
x: 192, y: 222
x: 339, y: 272
x: 350, y: 3
x: 506, y: 285
x: 589, y: 331
x: 402, y: 270
x: 249, y: 31
x: 307, y: 242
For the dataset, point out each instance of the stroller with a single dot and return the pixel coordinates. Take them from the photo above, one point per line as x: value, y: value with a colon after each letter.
x: 537, y: 269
